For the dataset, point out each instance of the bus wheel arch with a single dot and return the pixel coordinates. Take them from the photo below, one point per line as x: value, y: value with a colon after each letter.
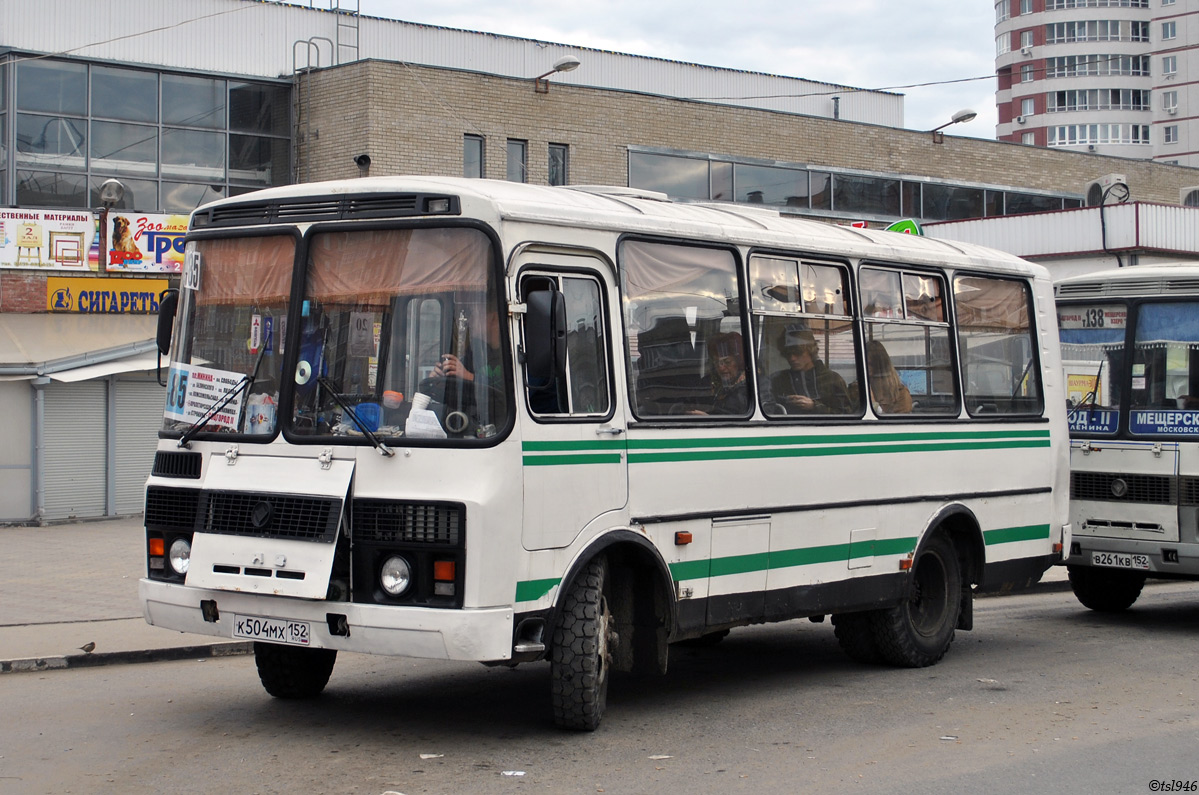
x: 614, y: 612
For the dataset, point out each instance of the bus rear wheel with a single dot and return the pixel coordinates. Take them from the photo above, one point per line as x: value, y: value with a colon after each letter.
x: 1105, y: 591
x: 917, y: 632
x: 291, y: 672
x: 580, y: 658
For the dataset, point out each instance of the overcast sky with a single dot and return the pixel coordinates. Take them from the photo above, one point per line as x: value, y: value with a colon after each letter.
x: 860, y: 43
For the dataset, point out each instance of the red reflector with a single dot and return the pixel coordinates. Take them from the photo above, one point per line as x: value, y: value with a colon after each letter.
x: 156, y: 547
x: 443, y: 570
x: 682, y: 538
x: 905, y: 564
x: 1057, y: 548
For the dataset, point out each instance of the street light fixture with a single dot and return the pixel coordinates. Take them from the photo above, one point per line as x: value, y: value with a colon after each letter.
x: 961, y: 117
x: 566, y: 63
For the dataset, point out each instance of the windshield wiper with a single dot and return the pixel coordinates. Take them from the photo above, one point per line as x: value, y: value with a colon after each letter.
x: 383, y: 449
x: 244, y: 385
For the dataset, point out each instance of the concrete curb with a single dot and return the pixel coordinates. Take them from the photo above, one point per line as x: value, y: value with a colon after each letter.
x: 69, y: 661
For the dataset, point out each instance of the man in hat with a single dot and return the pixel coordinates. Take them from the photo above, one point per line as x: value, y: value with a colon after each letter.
x: 729, y: 395
x: 809, y: 386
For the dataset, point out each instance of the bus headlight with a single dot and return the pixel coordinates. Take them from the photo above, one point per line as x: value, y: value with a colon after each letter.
x: 181, y: 553
x: 395, y: 576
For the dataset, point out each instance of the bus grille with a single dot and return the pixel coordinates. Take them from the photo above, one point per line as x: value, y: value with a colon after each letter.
x: 1188, y: 491
x: 171, y: 507
x: 1155, y: 489
x: 288, y: 516
x: 331, y: 208
x: 387, y: 522
x: 177, y: 465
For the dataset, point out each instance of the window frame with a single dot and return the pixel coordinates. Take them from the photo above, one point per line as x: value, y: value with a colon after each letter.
x: 519, y: 147
x: 546, y: 270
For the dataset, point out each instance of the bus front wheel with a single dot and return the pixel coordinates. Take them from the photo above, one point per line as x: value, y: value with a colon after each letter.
x: 580, y: 658
x: 917, y: 632
x: 291, y: 672
x: 1105, y: 591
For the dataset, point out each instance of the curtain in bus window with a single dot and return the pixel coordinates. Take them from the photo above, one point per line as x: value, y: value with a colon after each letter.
x: 1165, y: 369
x: 677, y: 299
x: 997, y: 346
x: 245, y: 269
x: 374, y: 266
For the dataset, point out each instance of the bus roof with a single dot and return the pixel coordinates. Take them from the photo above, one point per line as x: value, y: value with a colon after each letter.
x: 629, y: 210
x: 1137, y: 280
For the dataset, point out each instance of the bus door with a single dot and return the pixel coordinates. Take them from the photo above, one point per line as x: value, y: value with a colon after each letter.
x: 573, y: 436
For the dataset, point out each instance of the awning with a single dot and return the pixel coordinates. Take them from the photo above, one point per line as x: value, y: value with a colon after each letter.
x: 136, y: 363
x: 55, y: 344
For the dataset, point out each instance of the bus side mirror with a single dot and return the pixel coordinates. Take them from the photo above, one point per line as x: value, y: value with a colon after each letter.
x: 168, y: 302
x: 545, y: 348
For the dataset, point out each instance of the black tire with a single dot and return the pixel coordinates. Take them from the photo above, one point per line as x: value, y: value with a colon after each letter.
x: 291, y: 672
x: 917, y: 632
x: 855, y: 634
x: 580, y: 658
x: 1103, y: 590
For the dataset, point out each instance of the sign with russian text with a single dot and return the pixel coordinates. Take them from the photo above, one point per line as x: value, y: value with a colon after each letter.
x: 55, y: 239
x: 110, y: 296
x: 1162, y: 421
x: 193, y: 391
x: 145, y: 242
x: 1092, y: 421
x: 1092, y: 317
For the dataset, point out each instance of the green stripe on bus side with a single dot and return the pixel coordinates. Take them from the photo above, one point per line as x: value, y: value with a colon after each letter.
x: 1008, y: 535
x: 833, y: 439
x: 726, y: 455
x: 573, y: 445
x: 789, y: 558
x: 532, y: 590
x: 562, y: 460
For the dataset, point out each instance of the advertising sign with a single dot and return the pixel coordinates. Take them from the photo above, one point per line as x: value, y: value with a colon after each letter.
x: 193, y: 391
x: 110, y: 296
x: 56, y: 239
x: 145, y: 242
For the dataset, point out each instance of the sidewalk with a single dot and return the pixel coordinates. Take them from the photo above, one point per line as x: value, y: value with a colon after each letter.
x: 67, y: 585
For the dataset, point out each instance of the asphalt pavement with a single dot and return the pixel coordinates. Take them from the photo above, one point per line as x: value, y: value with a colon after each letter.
x: 68, y: 586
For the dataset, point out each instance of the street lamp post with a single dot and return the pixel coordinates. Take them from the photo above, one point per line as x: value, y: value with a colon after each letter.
x: 961, y: 117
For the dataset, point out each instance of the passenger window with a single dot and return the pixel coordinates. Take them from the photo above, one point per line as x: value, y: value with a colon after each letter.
x: 586, y: 391
x: 995, y: 336
x: 908, y: 358
x: 684, y: 342
x: 804, y: 338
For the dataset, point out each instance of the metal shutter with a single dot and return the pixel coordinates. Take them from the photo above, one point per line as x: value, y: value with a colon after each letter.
x: 138, y: 417
x: 75, y: 464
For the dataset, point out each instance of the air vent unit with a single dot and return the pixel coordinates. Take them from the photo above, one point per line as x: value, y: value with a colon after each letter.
x: 1021, y: 120
x: 1108, y: 189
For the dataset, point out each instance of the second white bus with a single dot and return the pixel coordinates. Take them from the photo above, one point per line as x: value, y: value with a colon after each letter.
x: 478, y: 420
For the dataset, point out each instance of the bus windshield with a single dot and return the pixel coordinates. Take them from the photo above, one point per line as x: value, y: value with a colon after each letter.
x: 1092, y: 337
x: 398, y: 333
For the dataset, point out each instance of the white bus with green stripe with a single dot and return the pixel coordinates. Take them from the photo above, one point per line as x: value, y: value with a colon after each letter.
x: 477, y: 420
x: 1130, y: 345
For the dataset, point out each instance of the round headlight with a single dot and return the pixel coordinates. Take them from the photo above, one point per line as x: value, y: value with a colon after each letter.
x: 181, y: 553
x: 395, y: 576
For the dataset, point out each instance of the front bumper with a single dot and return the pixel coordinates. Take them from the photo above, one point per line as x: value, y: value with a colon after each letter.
x: 483, y: 635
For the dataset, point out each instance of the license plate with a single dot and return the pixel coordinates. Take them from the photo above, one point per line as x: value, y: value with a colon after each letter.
x: 275, y: 630
x: 1119, y: 560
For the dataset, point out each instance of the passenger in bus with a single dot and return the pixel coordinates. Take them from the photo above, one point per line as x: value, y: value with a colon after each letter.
x: 888, y: 394
x: 726, y: 353
x: 808, y: 386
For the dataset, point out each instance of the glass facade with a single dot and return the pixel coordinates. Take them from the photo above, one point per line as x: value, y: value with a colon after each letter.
x: 174, y: 140
x: 698, y: 176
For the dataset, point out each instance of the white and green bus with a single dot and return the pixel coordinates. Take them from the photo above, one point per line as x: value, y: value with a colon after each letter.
x: 475, y: 420
x: 1130, y: 348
